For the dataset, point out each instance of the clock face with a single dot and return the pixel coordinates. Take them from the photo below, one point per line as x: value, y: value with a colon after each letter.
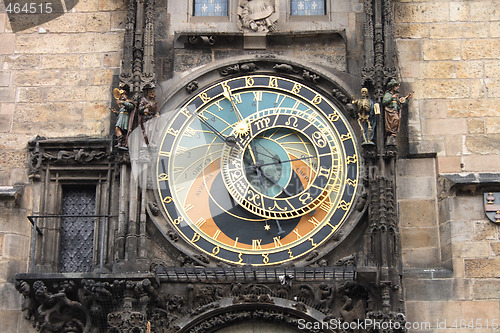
x: 257, y: 170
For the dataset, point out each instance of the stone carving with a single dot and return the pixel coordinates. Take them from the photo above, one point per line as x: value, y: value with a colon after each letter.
x: 55, y: 312
x: 347, y: 261
x: 307, y: 75
x: 203, y: 40
x: 243, y: 68
x: 191, y: 87
x: 284, y: 68
x: 392, y: 106
x: 257, y: 16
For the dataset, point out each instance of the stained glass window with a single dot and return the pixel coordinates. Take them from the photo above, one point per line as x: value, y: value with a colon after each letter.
x: 308, y: 7
x: 210, y: 7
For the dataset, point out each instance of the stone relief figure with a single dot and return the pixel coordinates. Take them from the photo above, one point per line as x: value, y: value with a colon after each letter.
x: 367, y: 119
x: 148, y: 109
x: 257, y: 15
x: 122, y: 123
x: 392, y: 106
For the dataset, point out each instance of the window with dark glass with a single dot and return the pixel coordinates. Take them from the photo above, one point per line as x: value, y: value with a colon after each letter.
x: 308, y: 7
x: 210, y: 7
x: 77, y: 230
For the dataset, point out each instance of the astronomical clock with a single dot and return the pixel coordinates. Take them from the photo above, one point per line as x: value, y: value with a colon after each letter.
x: 257, y: 169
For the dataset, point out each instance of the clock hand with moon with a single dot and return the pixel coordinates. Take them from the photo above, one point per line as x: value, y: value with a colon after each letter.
x: 257, y: 148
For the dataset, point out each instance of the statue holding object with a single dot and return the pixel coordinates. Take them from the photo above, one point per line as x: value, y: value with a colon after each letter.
x: 392, y: 107
x: 126, y: 107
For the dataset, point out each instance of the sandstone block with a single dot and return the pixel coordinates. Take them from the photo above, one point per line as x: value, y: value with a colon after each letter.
x: 103, y: 77
x: 473, y: 108
x: 460, y: 231
x: 91, y: 60
x: 50, y: 61
x: 459, y: 30
x: 5, y: 123
x: 438, y: 70
x: 445, y: 87
x: 70, y: 22
x: 486, y: 289
x: 445, y: 126
x: 480, y: 49
x: 483, y: 144
x: 415, y: 167
x: 31, y: 94
x: 22, y: 61
x: 471, y: 249
x: 8, y: 43
x: 482, y: 163
x: 434, y: 108
x: 441, y: 50
x: 75, y: 77
x: 492, y: 68
x: 482, y: 11
x: 475, y: 125
x: 482, y: 268
x: 97, y: 42
x: 411, y: 30
x: 421, y: 257
x: 417, y: 213
x: 419, y: 237
x: 493, y: 87
x: 495, y: 248
x: 87, y: 6
x: 98, y: 22
x: 436, y: 289
x: 7, y: 94
x: 411, y: 50
x: 15, y: 246
x: 459, y: 11
x: 420, y: 12
x: 112, y: 60
x: 112, y: 5
x: 449, y: 164
x: 470, y: 69
x: 30, y: 78
x: 7, y: 108
x: 118, y: 20
x: 5, y: 78
x: 485, y: 230
x: 44, y: 43
x: 492, y: 125
x: 495, y: 29
x: 453, y: 145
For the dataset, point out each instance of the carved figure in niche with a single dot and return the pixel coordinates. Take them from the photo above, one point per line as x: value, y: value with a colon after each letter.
x: 392, y: 106
x: 367, y: 111
x: 148, y: 109
x: 257, y: 15
x: 122, y: 123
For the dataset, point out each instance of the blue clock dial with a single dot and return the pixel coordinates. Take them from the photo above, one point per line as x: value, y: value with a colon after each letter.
x: 257, y: 170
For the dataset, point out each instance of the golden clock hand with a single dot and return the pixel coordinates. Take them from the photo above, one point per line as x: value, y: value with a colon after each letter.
x: 227, y: 93
x: 230, y: 140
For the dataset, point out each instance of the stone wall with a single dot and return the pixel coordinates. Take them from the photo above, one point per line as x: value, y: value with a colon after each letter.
x: 448, y: 55
x: 55, y: 81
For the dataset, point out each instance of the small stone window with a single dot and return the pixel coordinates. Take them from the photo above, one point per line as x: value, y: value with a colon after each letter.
x: 210, y: 8
x: 77, y: 230
x: 308, y: 7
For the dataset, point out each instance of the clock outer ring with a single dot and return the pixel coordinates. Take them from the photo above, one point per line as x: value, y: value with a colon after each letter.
x: 334, y: 115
